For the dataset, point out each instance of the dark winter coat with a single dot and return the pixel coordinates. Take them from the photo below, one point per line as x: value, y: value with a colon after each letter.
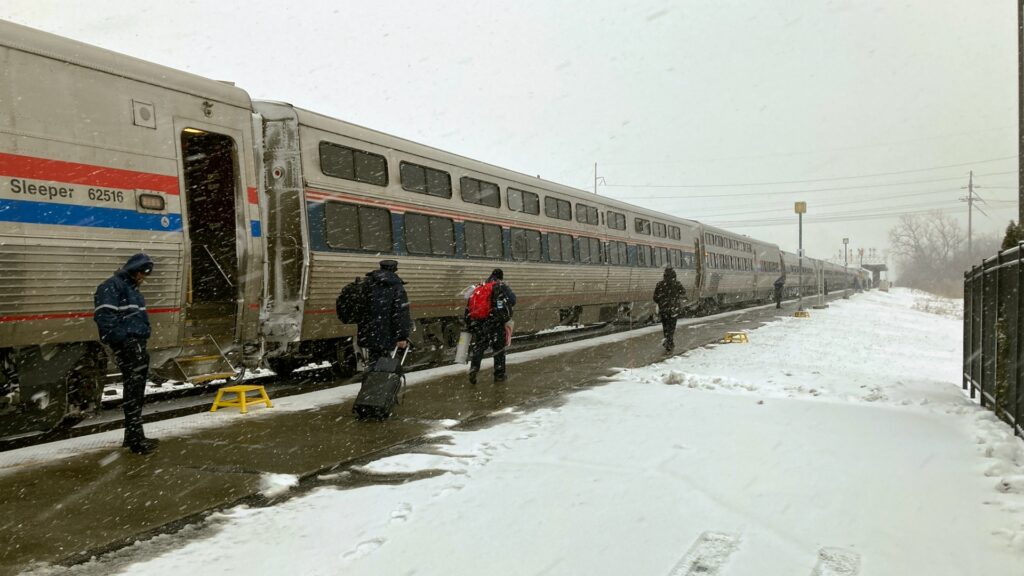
x: 668, y: 295
x: 389, y: 320
x: 120, y: 312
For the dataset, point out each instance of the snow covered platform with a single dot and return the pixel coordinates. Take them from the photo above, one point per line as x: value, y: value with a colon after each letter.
x: 824, y: 446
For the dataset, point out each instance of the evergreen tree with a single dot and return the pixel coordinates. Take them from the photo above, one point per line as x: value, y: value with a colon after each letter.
x: 1012, y: 237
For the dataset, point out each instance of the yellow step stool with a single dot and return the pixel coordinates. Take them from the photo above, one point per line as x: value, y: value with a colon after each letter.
x: 242, y: 401
x: 801, y: 314
x: 735, y: 338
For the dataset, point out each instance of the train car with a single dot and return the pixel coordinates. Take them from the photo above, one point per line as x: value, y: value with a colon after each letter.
x: 257, y: 213
x: 799, y: 280
x: 103, y: 156
x: 341, y: 197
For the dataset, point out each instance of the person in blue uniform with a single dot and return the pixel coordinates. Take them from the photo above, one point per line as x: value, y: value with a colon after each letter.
x: 123, y: 325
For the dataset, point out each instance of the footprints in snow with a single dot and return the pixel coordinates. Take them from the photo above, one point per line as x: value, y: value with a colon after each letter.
x: 710, y: 554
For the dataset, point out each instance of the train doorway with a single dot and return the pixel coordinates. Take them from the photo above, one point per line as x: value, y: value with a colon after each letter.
x: 210, y: 168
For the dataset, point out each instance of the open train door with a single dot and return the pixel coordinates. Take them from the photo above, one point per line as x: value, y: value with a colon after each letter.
x: 215, y: 228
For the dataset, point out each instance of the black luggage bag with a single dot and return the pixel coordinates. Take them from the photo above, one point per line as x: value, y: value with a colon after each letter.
x: 378, y: 394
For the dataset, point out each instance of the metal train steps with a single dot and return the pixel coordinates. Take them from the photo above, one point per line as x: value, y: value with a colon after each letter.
x: 201, y: 360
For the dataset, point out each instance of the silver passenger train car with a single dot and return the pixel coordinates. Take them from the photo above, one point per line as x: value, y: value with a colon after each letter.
x: 257, y: 213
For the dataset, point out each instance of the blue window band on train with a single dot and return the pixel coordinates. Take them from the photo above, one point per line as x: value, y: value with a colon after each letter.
x: 29, y: 212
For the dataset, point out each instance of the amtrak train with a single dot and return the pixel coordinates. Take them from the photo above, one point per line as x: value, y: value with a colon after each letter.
x: 257, y: 213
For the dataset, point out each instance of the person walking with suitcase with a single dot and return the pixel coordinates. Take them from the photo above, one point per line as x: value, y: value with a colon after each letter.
x: 388, y: 322
x: 668, y: 295
x: 778, y: 285
x: 123, y: 324
x: 488, y: 309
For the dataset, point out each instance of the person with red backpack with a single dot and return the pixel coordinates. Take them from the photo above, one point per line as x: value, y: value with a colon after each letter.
x: 488, y: 309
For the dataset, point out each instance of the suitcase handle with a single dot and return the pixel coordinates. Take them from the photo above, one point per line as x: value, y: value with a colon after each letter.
x: 405, y: 352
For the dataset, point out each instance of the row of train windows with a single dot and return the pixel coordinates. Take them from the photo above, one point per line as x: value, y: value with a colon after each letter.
x: 354, y: 227
x: 727, y: 262
x: 730, y: 243
x: 657, y: 229
x: 361, y: 166
x: 768, y: 266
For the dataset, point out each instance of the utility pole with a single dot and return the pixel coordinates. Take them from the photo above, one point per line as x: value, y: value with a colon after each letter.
x: 970, y: 212
x: 595, y: 177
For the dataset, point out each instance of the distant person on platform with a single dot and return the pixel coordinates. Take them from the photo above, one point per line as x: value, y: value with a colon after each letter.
x: 488, y: 309
x: 123, y: 325
x: 668, y: 295
x: 779, y: 284
x: 388, y: 323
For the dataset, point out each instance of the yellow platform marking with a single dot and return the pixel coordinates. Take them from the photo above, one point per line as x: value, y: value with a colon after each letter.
x: 242, y: 401
x: 801, y: 314
x: 735, y: 338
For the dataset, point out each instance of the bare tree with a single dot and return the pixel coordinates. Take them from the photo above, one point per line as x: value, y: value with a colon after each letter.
x: 930, y: 252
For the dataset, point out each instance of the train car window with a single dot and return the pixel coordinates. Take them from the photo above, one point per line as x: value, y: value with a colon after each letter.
x: 677, y: 258
x: 590, y: 251
x: 557, y: 208
x: 347, y: 163
x: 429, y: 235
x: 663, y: 257
x: 675, y: 233
x: 616, y: 221
x: 484, y: 240
x: 523, y: 201
x: 375, y: 229
x: 559, y: 247
x: 641, y: 226
x: 525, y: 245
x: 660, y: 230
x: 442, y: 236
x: 352, y: 227
x: 641, y: 256
x: 480, y: 192
x: 341, y: 223
x: 586, y: 214
x: 416, y: 178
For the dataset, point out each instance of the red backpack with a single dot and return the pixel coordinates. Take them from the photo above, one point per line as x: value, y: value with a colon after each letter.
x: 479, y: 304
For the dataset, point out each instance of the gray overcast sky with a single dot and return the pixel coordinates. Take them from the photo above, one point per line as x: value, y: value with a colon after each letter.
x: 659, y: 94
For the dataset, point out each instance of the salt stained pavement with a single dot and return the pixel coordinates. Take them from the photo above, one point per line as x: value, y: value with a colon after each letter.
x: 840, y: 444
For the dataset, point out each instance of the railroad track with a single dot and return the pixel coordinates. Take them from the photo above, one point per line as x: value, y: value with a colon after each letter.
x: 176, y: 403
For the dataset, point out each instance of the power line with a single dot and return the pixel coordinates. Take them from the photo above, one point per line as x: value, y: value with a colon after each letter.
x: 776, y: 208
x: 834, y: 178
x: 833, y: 189
x: 824, y: 219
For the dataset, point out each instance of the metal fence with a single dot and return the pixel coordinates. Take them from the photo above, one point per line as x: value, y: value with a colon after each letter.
x: 993, y: 347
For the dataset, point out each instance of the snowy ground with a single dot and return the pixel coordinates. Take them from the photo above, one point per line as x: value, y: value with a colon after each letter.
x: 835, y: 445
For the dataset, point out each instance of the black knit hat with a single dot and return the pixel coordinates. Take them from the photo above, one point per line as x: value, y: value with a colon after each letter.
x: 389, y: 265
x: 497, y: 273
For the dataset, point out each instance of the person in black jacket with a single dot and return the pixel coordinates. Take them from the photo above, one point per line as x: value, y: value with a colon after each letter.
x: 668, y: 295
x: 388, y: 322
x: 490, y: 332
x: 779, y: 284
x: 123, y: 325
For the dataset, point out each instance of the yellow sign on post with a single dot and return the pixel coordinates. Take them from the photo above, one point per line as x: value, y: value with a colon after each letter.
x: 800, y: 207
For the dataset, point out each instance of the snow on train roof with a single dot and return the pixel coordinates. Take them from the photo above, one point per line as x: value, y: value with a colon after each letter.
x: 33, y: 41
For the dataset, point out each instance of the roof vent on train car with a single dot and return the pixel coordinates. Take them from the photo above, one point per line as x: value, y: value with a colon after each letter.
x: 145, y: 114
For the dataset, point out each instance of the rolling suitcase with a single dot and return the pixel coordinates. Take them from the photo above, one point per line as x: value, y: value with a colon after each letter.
x: 378, y: 394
